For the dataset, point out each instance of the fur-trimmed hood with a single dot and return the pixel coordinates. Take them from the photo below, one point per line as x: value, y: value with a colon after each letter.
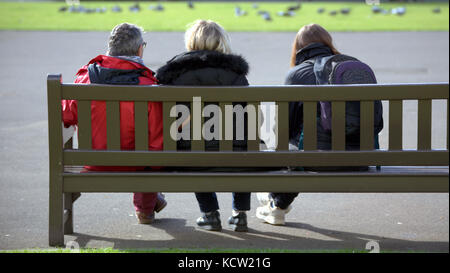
x: 198, y: 60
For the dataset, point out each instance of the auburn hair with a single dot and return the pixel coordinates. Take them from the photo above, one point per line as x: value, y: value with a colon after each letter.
x: 309, y: 34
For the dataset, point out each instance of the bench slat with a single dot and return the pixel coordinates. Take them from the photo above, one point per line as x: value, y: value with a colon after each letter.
x: 169, y: 143
x: 310, y: 126
x: 197, y: 141
x: 390, y: 181
x: 395, y: 125
x: 84, y: 125
x: 225, y: 145
x: 283, y: 126
x: 257, y: 93
x: 113, y: 125
x: 253, y: 133
x: 257, y: 159
x: 141, y: 125
x: 424, y: 125
x: 338, y: 125
x: 366, y: 125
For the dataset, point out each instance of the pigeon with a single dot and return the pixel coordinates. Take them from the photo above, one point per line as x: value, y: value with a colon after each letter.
x: 266, y: 16
x: 135, y: 8
x: 239, y: 12
x: 398, y: 11
x: 62, y: 9
x: 100, y: 10
x: 376, y: 9
x: 73, y: 9
x: 333, y: 12
x: 286, y: 13
x: 116, y: 9
x: 345, y: 11
x: 158, y: 7
x: 292, y: 8
x: 190, y: 4
x: 255, y: 6
x: 320, y: 10
x: 437, y: 10
x: 82, y: 9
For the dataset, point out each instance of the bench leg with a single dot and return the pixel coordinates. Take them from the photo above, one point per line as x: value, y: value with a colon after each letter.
x: 56, y: 218
x: 69, y: 200
x: 68, y: 213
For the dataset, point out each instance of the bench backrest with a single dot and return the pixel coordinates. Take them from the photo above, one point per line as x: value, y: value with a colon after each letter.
x: 253, y: 95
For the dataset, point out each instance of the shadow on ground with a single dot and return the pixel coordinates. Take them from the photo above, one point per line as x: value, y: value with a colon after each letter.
x: 184, y: 236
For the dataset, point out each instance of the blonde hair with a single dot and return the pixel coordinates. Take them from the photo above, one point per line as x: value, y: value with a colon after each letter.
x: 207, y: 35
x: 309, y: 34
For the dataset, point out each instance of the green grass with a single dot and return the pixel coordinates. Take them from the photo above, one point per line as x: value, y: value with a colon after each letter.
x: 175, y: 17
x: 178, y: 250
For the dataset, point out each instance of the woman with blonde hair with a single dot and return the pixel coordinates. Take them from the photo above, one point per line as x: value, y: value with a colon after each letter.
x: 209, y: 62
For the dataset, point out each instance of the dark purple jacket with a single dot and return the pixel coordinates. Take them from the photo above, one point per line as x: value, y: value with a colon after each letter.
x: 303, y: 74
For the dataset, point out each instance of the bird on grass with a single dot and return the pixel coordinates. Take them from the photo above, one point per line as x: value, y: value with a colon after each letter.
x: 294, y: 8
x: 265, y: 15
x: 345, y: 11
x: 116, y: 9
x: 239, y: 12
x: 399, y: 11
x: 135, y: 8
x: 437, y: 10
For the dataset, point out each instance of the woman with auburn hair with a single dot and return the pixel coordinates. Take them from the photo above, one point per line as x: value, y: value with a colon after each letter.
x: 312, y: 41
x: 209, y: 62
x: 315, y: 60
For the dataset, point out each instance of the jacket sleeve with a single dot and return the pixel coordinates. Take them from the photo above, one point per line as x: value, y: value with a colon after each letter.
x: 295, y: 108
x: 70, y: 107
x: 69, y: 112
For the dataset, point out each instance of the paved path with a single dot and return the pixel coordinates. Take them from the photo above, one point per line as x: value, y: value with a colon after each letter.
x: 403, y: 222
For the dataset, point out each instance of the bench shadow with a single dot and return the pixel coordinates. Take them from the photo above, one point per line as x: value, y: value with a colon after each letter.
x: 293, y: 236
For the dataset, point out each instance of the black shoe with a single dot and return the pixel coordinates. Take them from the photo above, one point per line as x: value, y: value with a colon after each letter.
x: 210, y: 221
x: 238, y: 222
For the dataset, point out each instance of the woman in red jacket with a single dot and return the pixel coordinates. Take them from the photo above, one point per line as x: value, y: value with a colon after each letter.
x: 123, y: 64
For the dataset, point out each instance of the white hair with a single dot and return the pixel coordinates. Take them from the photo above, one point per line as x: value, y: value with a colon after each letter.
x: 125, y: 40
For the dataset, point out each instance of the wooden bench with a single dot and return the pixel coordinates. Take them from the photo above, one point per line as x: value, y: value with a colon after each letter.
x: 421, y: 170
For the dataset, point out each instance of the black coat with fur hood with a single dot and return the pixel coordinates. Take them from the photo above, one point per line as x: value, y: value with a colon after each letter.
x: 206, y: 68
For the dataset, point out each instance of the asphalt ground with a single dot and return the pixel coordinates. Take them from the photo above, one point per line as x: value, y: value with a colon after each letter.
x: 402, y: 222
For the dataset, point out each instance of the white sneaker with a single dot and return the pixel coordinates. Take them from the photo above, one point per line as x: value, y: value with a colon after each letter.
x: 271, y: 214
x: 263, y: 198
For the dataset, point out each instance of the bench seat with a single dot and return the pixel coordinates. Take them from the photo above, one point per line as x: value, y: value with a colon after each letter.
x: 385, y: 179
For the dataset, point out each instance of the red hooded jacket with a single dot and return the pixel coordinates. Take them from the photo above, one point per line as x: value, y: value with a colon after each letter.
x: 114, y: 70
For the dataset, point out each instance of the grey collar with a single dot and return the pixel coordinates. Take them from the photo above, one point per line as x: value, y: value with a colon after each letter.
x: 135, y: 59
